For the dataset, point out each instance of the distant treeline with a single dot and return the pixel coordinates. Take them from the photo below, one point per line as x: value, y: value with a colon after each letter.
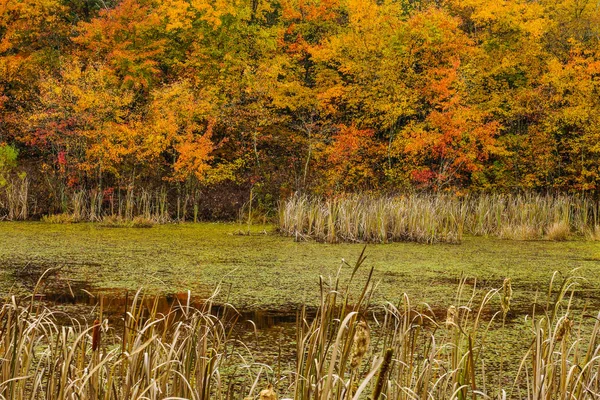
x: 210, y: 98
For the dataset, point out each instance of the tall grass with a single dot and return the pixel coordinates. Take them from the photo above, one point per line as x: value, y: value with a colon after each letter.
x: 424, y: 352
x: 431, y: 218
x: 155, y: 356
x: 14, y: 196
x: 356, y: 218
x: 350, y: 349
x: 159, y: 205
x: 120, y: 208
x: 427, y: 218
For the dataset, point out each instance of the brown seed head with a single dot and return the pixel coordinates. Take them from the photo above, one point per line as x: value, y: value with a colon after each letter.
x: 507, y: 293
x: 451, y: 317
x: 96, y: 335
x: 268, y: 393
x: 564, y: 328
x: 362, y: 339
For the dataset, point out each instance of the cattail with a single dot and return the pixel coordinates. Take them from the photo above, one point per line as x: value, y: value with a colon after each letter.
x: 362, y: 338
x: 506, y: 296
x: 268, y: 393
x: 451, y: 317
x: 564, y: 328
x: 385, y: 366
x: 96, y: 335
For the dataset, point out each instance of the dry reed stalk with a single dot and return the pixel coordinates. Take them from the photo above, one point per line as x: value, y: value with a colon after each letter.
x: 507, y: 293
x: 451, y: 317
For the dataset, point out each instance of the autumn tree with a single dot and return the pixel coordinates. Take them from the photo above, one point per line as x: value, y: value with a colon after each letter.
x: 313, y: 95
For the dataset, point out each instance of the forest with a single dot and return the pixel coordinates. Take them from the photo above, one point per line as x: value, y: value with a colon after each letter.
x: 212, y: 99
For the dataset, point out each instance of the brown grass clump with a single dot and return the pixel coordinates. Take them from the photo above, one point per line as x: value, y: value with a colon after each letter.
x: 593, y: 233
x: 111, y: 221
x: 119, y: 222
x: 268, y: 393
x: 64, y: 218
x: 558, y: 231
x: 519, y: 232
x: 142, y: 222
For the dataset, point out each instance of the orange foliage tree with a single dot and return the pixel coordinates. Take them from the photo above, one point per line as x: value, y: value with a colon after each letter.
x: 315, y: 95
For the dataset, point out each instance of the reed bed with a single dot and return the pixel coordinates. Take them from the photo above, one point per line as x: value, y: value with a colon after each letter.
x: 416, y: 352
x: 350, y: 349
x: 96, y: 206
x: 14, y: 198
x: 432, y: 218
x: 113, y: 208
x: 356, y: 218
x: 155, y: 356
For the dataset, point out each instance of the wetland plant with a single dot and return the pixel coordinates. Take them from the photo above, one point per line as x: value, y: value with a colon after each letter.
x: 432, y: 218
x: 379, y: 219
x: 349, y: 349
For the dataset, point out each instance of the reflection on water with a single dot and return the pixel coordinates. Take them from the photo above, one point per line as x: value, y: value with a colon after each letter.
x: 116, y: 302
x: 269, y: 334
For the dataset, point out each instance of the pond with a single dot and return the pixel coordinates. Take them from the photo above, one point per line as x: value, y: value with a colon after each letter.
x: 263, y: 271
x: 268, y: 278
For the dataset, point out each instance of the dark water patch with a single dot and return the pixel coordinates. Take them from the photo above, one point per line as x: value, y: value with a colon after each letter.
x: 269, y: 334
x: 85, y: 302
x: 51, y: 276
x: 114, y: 303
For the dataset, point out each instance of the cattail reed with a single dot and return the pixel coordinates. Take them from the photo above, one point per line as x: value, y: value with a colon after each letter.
x: 451, y: 317
x: 381, y: 378
x: 507, y: 293
x: 565, y: 325
x: 268, y: 393
x: 360, y: 346
x: 96, y: 335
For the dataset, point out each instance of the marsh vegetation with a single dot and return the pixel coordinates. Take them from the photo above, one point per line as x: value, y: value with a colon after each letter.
x: 410, y: 321
x: 347, y: 349
x: 433, y: 218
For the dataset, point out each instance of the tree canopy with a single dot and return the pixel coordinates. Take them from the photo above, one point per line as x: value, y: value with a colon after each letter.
x: 317, y: 95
